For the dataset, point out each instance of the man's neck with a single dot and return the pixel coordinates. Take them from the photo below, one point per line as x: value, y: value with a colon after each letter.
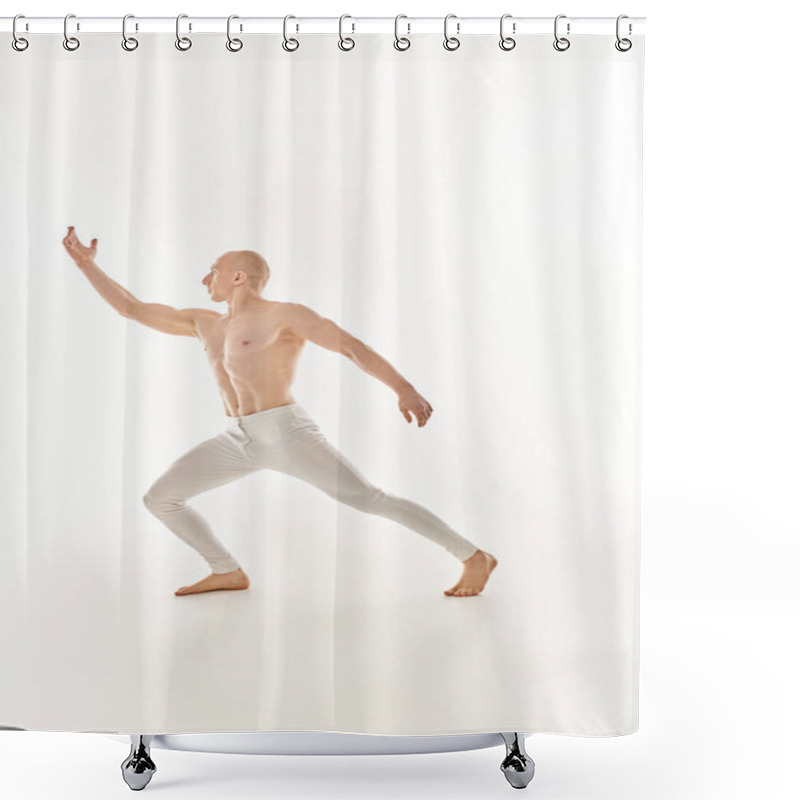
x: 243, y: 302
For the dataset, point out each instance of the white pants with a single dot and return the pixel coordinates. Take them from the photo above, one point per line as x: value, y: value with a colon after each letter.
x: 287, y: 439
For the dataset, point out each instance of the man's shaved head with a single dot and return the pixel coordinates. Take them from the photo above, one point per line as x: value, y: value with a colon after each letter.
x: 251, y: 262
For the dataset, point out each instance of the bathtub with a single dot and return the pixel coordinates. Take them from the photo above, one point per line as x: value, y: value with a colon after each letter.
x: 138, y: 767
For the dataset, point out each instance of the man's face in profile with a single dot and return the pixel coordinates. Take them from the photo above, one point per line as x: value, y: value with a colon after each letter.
x: 219, y: 280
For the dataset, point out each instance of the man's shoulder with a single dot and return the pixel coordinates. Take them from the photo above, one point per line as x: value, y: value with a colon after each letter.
x: 200, y: 317
x: 293, y: 308
x: 272, y: 308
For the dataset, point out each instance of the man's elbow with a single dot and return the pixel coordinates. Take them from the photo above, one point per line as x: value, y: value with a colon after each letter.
x: 352, y: 348
x: 128, y: 309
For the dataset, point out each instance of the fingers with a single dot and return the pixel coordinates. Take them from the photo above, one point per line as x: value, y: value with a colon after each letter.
x: 423, y: 414
x: 74, y: 247
x: 421, y: 409
x: 72, y: 243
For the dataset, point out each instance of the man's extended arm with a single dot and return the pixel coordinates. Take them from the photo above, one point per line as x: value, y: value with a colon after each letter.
x: 325, y: 332
x: 163, y: 318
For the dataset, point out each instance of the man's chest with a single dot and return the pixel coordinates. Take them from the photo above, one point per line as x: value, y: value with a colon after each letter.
x: 234, y: 340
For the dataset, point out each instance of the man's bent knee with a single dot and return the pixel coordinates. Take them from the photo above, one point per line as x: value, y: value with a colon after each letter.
x: 159, y: 502
x: 151, y: 500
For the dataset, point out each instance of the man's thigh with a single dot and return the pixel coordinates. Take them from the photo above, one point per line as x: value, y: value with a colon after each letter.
x: 311, y: 457
x: 214, y: 462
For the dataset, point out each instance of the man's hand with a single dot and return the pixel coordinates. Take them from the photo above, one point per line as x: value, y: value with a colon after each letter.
x: 410, y: 400
x: 80, y: 252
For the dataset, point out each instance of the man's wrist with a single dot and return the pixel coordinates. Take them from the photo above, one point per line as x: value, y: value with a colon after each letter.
x: 403, y: 387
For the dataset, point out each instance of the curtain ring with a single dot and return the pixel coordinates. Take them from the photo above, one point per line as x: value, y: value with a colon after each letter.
x: 451, y: 42
x: 347, y: 39
x: 560, y: 39
x: 406, y: 42
x: 285, y: 42
x: 619, y: 44
x: 234, y: 45
x: 181, y: 42
x: 128, y: 42
x: 506, y: 42
x: 17, y: 41
x: 70, y: 42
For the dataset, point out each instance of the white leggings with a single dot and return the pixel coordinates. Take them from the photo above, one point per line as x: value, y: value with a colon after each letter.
x: 287, y: 439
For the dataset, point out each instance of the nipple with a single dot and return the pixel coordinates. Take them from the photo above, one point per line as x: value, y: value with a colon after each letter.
x: 246, y: 342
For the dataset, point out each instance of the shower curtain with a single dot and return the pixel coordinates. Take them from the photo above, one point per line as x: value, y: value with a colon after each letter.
x: 348, y: 343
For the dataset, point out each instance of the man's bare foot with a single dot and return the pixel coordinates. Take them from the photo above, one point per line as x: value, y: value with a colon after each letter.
x: 477, y: 569
x: 218, y: 580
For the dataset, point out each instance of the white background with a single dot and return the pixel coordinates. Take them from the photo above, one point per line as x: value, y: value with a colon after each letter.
x: 720, y: 598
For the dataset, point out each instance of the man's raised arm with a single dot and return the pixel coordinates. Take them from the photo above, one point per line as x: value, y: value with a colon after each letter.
x: 163, y: 318
x: 325, y: 332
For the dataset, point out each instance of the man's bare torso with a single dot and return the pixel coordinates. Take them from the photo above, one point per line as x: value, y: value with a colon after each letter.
x: 254, y: 356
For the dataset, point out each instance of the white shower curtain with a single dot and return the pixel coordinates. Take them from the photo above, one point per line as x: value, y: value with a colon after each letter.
x: 474, y: 218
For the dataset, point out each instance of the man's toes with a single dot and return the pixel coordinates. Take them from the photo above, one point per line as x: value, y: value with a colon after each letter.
x: 463, y: 591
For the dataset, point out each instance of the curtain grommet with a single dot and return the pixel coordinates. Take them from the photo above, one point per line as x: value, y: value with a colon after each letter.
x: 401, y: 43
x: 70, y: 42
x: 17, y: 41
x: 451, y: 42
x: 182, y: 43
x: 129, y: 43
x: 285, y: 44
x: 507, y: 42
x: 560, y: 40
x: 623, y: 45
x: 342, y: 39
x: 233, y: 44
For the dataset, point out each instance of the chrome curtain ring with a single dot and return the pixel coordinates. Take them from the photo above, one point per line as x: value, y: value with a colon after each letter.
x: 128, y: 42
x: 506, y: 42
x: 560, y: 40
x: 623, y: 45
x: 290, y: 45
x: 70, y: 42
x: 401, y: 43
x: 451, y: 42
x: 351, y: 42
x: 234, y: 45
x: 181, y: 42
x: 19, y: 43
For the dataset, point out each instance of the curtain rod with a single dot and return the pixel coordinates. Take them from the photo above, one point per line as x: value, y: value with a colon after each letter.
x: 304, y: 25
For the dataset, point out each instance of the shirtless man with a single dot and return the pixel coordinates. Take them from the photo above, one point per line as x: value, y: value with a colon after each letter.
x: 253, y: 350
